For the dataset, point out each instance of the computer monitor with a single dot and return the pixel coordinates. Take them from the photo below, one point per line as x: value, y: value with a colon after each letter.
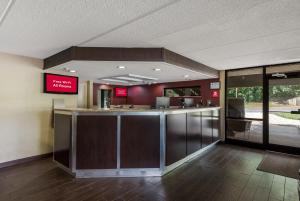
x: 188, y: 102
x: 162, y: 102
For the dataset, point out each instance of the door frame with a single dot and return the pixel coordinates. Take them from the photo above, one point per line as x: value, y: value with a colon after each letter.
x: 265, y: 132
x: 276, y: 147
x: 99, y: 96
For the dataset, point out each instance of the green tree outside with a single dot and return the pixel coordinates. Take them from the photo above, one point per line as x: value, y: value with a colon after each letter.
x: 278, y: 93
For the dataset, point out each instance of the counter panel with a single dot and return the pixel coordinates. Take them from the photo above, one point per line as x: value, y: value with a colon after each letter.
x: 193, y: 132
x: 62, y: 139
x: 96, y: 142
x: 216, y: 125
x: 140, y: 141
x: 175, y: 138
x: 125, y: 142
x: 207, y: 132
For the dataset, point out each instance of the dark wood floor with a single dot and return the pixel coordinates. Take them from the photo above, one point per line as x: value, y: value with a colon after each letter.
x: 227, y: 173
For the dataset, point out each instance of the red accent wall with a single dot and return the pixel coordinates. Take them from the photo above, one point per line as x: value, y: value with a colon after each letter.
x: 146, y: 94
x: 114, y: 100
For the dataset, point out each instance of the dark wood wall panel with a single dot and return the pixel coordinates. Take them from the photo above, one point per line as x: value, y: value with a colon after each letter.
x: 62, y: 139
x: 59, y: 58
x: 175, y: 138
x: 96, y: 142
x: 180, y: 60
x: 216, y: 125
x: 193, y: 132
x: 126, y: 54
x: 118, y: 54
x: 104, y: 54
x: 140, y: 141
x: 207, y: 132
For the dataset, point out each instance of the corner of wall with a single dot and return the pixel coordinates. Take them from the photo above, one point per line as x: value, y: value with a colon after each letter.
x: 222, y: 104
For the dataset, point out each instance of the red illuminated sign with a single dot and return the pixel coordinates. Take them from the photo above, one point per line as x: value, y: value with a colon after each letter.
x: 215, y: 94
x: 60, y: 84
x: 121, y: 92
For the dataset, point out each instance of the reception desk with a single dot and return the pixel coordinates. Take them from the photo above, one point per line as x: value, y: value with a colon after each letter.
x: 129, y: 143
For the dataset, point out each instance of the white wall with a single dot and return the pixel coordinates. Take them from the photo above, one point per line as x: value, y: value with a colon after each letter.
x: 82, y: 101
x: 25, y: 112
x: 222, y: 104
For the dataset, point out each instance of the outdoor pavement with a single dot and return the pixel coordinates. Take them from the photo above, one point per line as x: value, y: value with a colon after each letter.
x: 282, y: 131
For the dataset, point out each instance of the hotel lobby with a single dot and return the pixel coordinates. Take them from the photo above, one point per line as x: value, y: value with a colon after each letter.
x: 153, y: 100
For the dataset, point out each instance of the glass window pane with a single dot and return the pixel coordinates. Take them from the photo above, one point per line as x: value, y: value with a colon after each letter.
x: 245, y: 93
x: 284, y: 111
x: 245, y: 105
x: 286, y: 68
x: 183, y: 91
x: 246, y: 130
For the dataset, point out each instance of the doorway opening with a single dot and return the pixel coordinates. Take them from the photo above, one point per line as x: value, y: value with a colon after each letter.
x: 104, y: 98
x: 284, y: 109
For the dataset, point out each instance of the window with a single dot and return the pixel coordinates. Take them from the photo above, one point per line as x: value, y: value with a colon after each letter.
x: 245, y: 104
x: 263, y: 106
x: 182, y: 91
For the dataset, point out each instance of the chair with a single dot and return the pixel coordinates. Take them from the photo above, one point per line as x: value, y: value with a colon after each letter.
x: 236, y: 115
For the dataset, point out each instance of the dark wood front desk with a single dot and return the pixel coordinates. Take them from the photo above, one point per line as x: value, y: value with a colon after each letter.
x: 110, y: 143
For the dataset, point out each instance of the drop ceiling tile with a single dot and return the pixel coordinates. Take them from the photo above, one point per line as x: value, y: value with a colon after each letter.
x: 261, y: 59
x: 3, y: 4
x: 212, y: 31
x: 41, y: 28
x: 177, y: 17
x: 200, y: 38
x: 208, y: 31
x: 280, y: 41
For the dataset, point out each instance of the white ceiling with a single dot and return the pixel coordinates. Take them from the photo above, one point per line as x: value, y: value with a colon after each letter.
x: 223, y: 34
x: 93, y: 70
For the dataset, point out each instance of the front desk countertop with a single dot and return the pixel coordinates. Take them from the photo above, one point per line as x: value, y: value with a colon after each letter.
x: 131, y: 142
x: 123, y: 110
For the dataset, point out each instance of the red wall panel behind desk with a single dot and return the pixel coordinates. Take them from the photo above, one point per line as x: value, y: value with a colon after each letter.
x: 115, y: 100
x: 146, y: 94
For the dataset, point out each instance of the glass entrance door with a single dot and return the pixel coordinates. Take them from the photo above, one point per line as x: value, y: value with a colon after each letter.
x: 284, y: 110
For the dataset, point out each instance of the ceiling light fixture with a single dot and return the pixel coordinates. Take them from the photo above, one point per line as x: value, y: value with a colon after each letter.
x: 129, y: 78
x: 113, y: 80
x: 72, y: 71
x: 186, y: 76
x: 121, y: 67
x: 157, y: 69
x: 142, y: 77
x: 279, y: 75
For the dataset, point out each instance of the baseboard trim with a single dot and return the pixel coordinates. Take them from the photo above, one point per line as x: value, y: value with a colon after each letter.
x: 24, y: 160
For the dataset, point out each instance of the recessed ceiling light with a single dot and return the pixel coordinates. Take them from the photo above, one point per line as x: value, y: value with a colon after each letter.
x: 186, y: 76
x: 72, y: 71
x: 121, y: 67
x: 66, y: 69
x: 157, y: 69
